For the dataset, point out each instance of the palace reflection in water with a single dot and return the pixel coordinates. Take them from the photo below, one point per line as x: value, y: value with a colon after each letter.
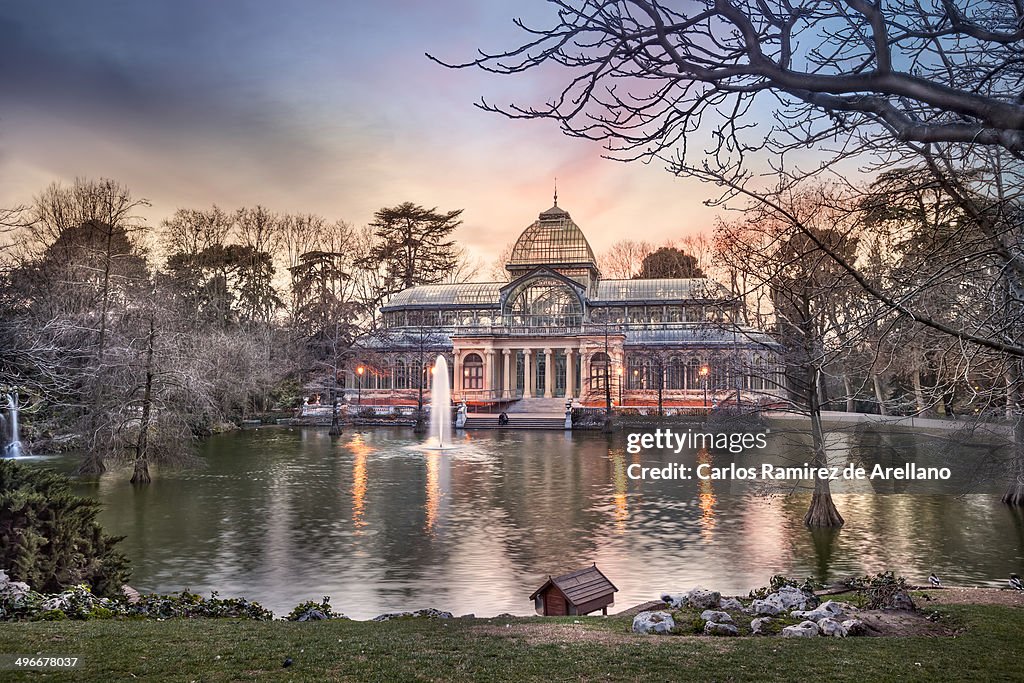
x: 282, y: 516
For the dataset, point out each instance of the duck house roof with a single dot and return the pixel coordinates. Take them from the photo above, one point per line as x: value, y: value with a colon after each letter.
x: 580, y: 586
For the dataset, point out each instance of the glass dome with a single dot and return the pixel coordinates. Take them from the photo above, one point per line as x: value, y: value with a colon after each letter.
x: 553, y: 239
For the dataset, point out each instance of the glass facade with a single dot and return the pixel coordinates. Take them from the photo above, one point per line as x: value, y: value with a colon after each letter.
x: 557, y: 329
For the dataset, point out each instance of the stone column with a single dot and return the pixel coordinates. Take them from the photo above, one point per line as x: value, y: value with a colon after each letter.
x: 570, y: 374
x: 489, y: 371
x: 506, y: 379
x: 549, y: 371
x: 527, y: 374
x: 457, y: 374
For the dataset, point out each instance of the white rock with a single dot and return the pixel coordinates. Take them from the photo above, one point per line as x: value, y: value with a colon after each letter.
x: 714, y: 629
x: 831, y: 627
x: 653, y: 622
x: 716, y: 616
x: 730, y: 603
x: 814, y: 615
x: 769, y: 606
x: 805, y: 629
x: 703, y: 599
x: 794, y: 598
x: 675, y: 601
x: 786, y: 599
x: 826, y: 610
x: 757, y: 626
x: 837, y: 607
x: 855, y: 627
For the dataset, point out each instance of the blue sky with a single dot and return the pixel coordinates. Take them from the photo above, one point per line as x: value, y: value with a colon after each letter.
x: 326, y: 107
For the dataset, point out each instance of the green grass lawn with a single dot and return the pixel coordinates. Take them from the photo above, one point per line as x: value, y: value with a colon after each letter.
x: 988, y: 647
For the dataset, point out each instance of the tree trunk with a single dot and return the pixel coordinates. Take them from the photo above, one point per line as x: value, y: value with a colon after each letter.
x: 92, y: 464
x: 922, y: 407
x: 421, y: 424
x: 335, y: 419
x: 822, y: 392
x: 822, y: 512
x: 141, y: 473
x: 851, y: 405
x: 879, y: 394
x: 1015, y: 491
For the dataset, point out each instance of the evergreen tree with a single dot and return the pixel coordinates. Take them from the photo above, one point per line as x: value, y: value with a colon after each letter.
x: 668, y: 262
x: 414, y: 245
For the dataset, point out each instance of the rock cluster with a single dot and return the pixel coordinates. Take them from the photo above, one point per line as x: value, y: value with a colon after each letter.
x: 653, y: 622
x: 698, y: 598
x: 830, y: 619
x: 428, y: 613
x: 786, y: 599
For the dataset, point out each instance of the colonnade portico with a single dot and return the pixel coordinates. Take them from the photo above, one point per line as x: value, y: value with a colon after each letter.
x: 547, y: 368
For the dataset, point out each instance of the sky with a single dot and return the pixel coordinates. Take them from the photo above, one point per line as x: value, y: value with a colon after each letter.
x: 327, y: 107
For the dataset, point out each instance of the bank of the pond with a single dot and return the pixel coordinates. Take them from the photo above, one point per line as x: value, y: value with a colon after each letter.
x: 986, y: 647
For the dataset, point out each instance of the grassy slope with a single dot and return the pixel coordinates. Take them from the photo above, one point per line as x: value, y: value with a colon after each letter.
x: 988, y: 649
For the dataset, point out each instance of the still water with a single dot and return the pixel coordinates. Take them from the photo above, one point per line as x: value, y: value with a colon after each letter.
x: 285, y: 515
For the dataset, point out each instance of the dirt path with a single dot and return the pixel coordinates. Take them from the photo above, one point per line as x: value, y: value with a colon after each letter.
x: 970, y: 596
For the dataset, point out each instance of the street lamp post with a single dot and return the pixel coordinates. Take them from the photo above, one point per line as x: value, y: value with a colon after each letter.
x: 359, y: 390
x: 620, y: 387
x: 704, y: 372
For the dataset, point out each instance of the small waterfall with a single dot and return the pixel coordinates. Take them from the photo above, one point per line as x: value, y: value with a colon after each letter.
x: 440, y: 406
x: 13, y: 447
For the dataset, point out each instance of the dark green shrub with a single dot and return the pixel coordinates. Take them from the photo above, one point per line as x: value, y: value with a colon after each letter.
x: 186, y: 605
x: 49, y: 537
x: 314, y: 611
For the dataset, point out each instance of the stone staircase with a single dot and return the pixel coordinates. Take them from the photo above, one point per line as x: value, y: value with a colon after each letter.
x: 516, y: 421
x: 542, y: 406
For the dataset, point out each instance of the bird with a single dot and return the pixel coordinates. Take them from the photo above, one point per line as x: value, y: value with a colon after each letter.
x: 935, y: 581
x: 287, y: 662
x: 1016, y: 583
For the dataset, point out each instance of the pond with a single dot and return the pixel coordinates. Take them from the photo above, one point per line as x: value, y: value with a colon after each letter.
x: 283, y: 515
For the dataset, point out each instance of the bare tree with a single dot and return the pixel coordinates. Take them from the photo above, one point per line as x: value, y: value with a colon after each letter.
x: 497, y: 269
x: 623, y: 259
x: 739, y: 86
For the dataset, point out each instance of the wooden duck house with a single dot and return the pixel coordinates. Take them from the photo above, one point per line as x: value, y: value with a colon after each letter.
x: 579, y: 592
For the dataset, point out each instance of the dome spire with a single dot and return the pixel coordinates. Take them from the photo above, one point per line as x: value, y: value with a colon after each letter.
x: 556, y: 190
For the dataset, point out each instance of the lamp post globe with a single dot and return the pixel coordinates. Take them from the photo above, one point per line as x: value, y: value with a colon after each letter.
x: 705, y: 371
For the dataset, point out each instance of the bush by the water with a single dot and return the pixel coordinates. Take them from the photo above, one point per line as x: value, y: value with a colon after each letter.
x: 49, y: 537
x: 778, y: 581
x: 314, y: 611
x: 18, y: 602
x: 884, y: 590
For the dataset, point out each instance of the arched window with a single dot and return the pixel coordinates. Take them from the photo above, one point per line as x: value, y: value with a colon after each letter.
x: 674, y: 373
x: 544, y: 302
x: 693, y: 378
x: 599, y: 367
x: 758, y: 374
x: 473, y: 372
x: 401, y: 376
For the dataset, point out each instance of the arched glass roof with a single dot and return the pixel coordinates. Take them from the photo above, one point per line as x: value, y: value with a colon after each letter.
x: 552, y: 239
x: 659, y: 290
x: 469, y: 295
x: 702, y: 335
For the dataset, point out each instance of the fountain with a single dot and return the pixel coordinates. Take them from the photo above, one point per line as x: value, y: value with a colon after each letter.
x: 440, y: 436
x: 13, y: 447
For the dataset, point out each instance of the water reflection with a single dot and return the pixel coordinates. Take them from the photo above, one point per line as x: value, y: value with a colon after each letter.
x: 706, y: 498
x: 620, y: 498
x: 360, y: 450
x: 285, y: 515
